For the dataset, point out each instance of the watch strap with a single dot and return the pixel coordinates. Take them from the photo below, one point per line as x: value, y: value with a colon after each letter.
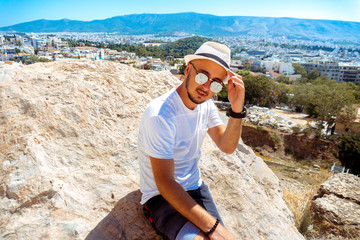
x: 237, y: 115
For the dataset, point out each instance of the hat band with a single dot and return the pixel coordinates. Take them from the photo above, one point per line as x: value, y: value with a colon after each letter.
x: 209, y: 55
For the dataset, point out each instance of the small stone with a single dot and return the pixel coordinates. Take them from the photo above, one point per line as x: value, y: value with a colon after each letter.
x: 316, y: 167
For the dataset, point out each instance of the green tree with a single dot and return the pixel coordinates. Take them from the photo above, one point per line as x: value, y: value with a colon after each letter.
x: 281, y: 93
x: 283, y: 79
x: 182, y: 68
x: 259, y: 90
x: 322, y: 98
x: 148, y: 67
x: 248, y: 66
x: 349, y: 152
x: 299, y: 69
x: 177, y: 49
x: 33, y: 59
x: 243, y: 73
x: 313, y: 74
x: 190, y: 51
x: 223, y: 94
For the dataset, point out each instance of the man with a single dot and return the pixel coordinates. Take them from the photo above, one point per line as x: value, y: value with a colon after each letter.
x: 175, y: 200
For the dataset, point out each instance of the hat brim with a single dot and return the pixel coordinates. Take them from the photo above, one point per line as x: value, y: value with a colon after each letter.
x: 189, y: 58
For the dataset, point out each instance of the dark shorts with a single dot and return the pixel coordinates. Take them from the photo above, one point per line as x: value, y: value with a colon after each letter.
x: 166, y: 221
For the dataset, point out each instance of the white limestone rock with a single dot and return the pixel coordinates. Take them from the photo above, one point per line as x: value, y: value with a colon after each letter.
x: 68, y: 158
x: 337, y: 206
x: 265, y: 117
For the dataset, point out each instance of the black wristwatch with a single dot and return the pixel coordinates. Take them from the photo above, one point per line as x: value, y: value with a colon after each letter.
x: 232, y: 114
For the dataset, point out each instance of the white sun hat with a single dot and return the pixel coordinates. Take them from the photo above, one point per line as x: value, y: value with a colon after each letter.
x: 213, y: 51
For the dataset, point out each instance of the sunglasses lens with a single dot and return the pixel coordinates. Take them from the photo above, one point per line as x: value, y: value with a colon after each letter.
x: 201, y: 78
x: 215, y: 87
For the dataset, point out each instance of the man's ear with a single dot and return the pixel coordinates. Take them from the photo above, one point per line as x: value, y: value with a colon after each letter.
x: 187, y: 69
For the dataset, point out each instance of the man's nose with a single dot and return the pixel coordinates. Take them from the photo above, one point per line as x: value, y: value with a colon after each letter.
x: 207, y: 84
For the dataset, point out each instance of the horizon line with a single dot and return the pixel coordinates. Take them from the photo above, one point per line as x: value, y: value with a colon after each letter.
x: 43, y: 19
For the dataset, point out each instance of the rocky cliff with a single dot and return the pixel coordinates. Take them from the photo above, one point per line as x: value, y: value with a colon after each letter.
x: 69, y: 165
x: 336, y: 208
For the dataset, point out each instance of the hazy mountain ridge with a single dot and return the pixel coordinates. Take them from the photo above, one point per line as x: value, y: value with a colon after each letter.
x: 203, y: 24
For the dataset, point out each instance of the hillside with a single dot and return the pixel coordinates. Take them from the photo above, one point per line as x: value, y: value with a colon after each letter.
x: 201, y: 24
x: 68, y: 158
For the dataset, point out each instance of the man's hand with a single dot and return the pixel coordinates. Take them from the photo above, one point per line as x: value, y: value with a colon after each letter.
x: 221, y: 233
x: 236, y: 92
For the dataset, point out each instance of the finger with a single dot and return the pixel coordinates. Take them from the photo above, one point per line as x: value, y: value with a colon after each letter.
x: 239, y: 85
x: 231, y: 74
x: 230, y: 84
x: 237, y: 81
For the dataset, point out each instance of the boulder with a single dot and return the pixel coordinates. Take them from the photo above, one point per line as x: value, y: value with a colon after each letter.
x: 68, y: 158
x: 265, y: 117
x: 336, y: 206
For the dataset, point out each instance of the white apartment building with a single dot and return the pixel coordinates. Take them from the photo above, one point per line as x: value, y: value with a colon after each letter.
x: 284, y: 68
x: 21, y: 40
x: 340, y: 72
x: 38, y: 43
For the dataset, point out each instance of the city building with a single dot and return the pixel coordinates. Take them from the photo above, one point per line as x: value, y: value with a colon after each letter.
x: 7, y: 52
x: 338, y: 71
x: 283, y: 68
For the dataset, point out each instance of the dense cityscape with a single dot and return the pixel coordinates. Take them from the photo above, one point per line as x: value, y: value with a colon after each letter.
x: 273, y: 57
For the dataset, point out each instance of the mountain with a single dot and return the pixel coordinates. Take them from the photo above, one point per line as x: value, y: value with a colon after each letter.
x: 201, y: 24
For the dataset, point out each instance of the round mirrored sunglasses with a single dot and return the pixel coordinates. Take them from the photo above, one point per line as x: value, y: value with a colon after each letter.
x: 201, y: 78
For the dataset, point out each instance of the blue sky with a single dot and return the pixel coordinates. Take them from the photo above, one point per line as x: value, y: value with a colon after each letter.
x: 18, y: 11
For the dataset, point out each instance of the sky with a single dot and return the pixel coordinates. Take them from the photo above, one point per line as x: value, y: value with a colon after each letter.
x: 19, y: 11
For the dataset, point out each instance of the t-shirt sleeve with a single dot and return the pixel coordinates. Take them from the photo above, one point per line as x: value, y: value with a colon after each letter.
x: 214, y: 118
x: 159, y: 138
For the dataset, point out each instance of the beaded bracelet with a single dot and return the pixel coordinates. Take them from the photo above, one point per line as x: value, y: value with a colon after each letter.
x: 214, y: 227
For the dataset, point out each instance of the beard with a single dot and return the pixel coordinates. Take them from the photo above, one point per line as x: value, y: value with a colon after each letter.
x: 191, y: 97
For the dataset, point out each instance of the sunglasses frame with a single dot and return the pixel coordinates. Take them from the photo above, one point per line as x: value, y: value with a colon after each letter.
x: 208, y: 79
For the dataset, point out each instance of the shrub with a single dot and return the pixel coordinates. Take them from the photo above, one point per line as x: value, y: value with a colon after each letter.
x: 308, y: 131
x: 349, y: 152
x: 259, y: 128
x: 296, y: 129
x: 289, y: 151
x: 276, y: 139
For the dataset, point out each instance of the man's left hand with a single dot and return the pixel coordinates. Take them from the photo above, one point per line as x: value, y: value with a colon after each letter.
x: 236, y: 92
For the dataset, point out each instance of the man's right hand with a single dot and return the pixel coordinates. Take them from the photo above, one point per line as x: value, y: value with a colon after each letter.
x: 221, y: 233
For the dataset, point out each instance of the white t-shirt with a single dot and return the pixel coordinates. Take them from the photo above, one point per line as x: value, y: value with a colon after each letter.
x: 169, y: 130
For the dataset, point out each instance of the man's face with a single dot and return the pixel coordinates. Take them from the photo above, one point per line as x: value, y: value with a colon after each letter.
x: 199, y: 93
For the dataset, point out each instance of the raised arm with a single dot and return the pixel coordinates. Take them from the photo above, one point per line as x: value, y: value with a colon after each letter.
x: 227, y: 138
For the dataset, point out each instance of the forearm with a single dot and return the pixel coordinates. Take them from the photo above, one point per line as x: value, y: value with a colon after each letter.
x: 175, y: 194
x: 232, y: 134
x: 186, y: 206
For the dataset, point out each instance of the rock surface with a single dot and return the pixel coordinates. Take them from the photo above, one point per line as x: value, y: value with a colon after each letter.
x: 68, y: 158
x: 337, y: 206
x: 263, y: 116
